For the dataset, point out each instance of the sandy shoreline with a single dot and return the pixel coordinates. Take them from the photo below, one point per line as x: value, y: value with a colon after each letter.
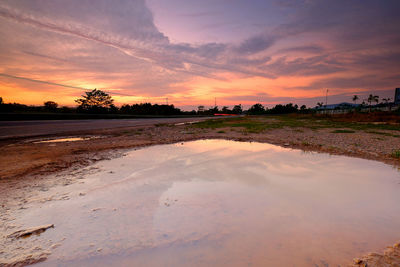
x: 27, y: 167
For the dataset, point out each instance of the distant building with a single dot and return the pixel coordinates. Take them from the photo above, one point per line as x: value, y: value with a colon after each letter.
x: 343, y: 105
x: 397, y: 96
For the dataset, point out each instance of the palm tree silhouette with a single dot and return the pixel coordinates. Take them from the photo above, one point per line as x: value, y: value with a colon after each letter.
x: 372, y: 98
x: 355, y: 98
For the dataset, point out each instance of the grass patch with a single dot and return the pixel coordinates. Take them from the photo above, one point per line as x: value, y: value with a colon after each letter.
x: 258, y: 124
x: 343, y: 131
x: 210, y: 124
x: 383, y: 133
x: 163, y: 124
x: 305, y: 143
x: 221, y: 131
x: 396, y: 154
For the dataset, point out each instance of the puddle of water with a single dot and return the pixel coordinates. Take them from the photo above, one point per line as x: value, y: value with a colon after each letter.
x: 223, y: 203
x: 59, y: 140
x: 184, y: 123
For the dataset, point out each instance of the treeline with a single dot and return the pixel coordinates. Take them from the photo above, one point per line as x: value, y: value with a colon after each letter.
x: 152, y: 109
x: 259, y: 109
x: 136, y: 109
x: 149, y: 109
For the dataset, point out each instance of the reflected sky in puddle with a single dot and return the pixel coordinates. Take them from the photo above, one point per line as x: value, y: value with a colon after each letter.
x: 216, y: 202
x: 72, y: 139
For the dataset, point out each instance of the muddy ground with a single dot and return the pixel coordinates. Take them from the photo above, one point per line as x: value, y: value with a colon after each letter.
x: 27, y: 166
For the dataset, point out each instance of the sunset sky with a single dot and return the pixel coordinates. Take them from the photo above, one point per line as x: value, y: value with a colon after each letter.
x: 191, y: 51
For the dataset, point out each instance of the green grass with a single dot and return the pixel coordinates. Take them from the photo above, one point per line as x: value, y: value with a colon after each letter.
x: 396, y: 153
x: 221, y: 131
x: 130, y: 132
x: 258, y: 124
x: 384, y: 133
x: 305, y: 143
x: 343, y: 131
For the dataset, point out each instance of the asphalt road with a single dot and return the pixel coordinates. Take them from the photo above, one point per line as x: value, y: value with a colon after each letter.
x: 12, y: 129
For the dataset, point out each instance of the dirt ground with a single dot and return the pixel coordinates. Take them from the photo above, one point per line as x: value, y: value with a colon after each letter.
x: 27, y: 166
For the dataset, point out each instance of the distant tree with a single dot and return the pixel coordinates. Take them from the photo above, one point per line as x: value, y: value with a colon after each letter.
x: 303, y: 109
x: 372, y: 98
x: 237, y: 109
x: 256, y: 109
x: 1, y: 100
x: 226, y: 110
x: 283, y: 109
x: 50, y: 105
x: 355, y: 98
x: 65, y: 109
x: 376, y: 99
x: 95, y: 101
x: 213, y: 110
x: 320, y: 104
x: 386, y: 100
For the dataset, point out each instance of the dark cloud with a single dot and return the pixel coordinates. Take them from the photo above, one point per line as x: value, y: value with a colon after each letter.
x: 312, y: 49
x: 255, y: 44
x: 363, y: 81
x: 317, y: 65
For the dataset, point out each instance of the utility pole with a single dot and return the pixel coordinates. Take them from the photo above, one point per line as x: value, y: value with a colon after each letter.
x: 215, y: 102
x: 166, y: 100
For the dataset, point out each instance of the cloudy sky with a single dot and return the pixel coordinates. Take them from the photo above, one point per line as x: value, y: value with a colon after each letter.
x: 191, y: 51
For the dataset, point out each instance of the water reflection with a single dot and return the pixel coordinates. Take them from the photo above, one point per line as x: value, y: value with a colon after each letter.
x: 216, y: 202
x: 72, y: 139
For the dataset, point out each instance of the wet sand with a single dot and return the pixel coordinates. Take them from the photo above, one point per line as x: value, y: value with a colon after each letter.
x: 28, y: 167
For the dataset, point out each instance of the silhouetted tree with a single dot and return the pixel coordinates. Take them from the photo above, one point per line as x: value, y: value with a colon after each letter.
x: 1, y: 100
x: 237, y: 109
x: 372, y: 98
x: 50, y: 105
x: 355, y: 98
x: 320, y: 104
x: 213, y: 110
x: 376, y: 99
x: 256, y: 109
x: 283, y: 109
x: 149, y: 109
x: 226, y: 110
x: 95, y: 101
